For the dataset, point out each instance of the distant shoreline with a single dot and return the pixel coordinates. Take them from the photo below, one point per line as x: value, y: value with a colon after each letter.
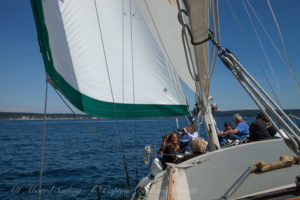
x: 68, y: 116
x: 40, y: 116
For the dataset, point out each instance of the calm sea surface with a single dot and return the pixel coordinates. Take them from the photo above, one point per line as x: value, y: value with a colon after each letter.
x: 76, y: 159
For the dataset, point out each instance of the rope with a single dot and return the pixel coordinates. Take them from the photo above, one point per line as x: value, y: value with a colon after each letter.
x: 261, y: 45
x: 186, y: 47
x: 184, y: 40
x: 43, y: 140
x: 253, y: 52
x: 283, y: 45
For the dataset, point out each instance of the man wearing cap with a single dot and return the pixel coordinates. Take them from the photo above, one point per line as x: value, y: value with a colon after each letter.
x: 258, y: 129
x: 272, y: 131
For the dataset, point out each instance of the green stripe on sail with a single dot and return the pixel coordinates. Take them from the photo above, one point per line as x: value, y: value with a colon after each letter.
x: 87, y: 104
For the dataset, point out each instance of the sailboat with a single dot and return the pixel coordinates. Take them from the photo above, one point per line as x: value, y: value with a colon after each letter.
x: 128, y: 59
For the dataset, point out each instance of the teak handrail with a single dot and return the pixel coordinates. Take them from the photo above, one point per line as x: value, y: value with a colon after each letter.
x: 171, y: 181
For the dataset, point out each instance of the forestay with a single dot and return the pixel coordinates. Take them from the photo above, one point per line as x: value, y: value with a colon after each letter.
x: 101, y: 55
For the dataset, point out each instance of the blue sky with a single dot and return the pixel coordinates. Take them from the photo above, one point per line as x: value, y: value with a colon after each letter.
x: 22, y: 74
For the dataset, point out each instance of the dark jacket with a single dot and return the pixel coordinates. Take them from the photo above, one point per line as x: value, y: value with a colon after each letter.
x: 170, y: 156
x: 272, y: 131
x: 258, y: 131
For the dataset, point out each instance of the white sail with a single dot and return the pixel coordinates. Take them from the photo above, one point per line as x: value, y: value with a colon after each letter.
x: 161, y: 17
x: 103, y: 58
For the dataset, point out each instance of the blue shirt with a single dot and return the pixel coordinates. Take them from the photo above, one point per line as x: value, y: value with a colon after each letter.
x: 243, y: 128
x: 185, y: 138
x: 188, y: 137
x: 193, y: 135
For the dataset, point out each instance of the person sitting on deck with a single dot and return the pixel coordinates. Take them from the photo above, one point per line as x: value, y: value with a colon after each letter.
x: 170, y: 151
x: 186, y: 137
x: 258, y: 129
x: 226, y: 138
x: 240, y: 132
x: 272, y: 131
x: 198, y: 148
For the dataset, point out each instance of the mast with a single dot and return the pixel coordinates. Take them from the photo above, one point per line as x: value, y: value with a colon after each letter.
x: 193, y: 17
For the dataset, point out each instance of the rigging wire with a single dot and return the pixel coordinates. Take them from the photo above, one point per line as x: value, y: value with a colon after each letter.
x: 283, y: 45
x: 253, y: 52
x: 294, y: 116
x: 102, y: 138
x: 104, y: 52
x: 157, y: 32
x: 133, y: 87
x: 44, y: 138
x: 123, y: 69
x: 266, y: 32
x: 261, y: 45
x: 112, y: 95
x: 270, y: 39
x: 123, y: 93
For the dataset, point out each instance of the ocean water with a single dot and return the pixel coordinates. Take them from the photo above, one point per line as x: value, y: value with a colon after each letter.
x: 75, y: 159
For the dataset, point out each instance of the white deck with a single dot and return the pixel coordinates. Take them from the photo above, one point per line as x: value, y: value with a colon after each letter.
x: 220, y: 169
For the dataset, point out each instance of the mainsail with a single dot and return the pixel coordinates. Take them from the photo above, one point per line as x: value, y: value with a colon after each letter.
x: 102, y: 57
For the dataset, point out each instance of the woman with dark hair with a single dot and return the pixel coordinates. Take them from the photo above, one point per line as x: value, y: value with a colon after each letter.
x: 171, y: 149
